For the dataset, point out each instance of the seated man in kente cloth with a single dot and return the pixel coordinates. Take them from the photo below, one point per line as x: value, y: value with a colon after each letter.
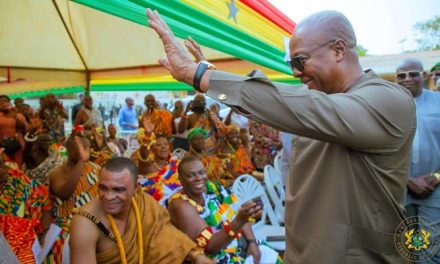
x: 125, y: 225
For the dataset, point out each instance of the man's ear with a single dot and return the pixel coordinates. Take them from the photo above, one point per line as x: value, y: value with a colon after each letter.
x: 340, y: 49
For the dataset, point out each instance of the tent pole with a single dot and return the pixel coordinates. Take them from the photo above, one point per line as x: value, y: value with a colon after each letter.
x: 87, y: 91
x: 8, y: 74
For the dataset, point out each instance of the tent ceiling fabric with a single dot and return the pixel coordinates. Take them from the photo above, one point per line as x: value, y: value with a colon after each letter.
x: 63, y: 42
x: 33, y: 36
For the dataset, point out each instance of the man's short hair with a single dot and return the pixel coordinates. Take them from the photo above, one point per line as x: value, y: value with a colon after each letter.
x: 184, y: 161
x: 121, y: 163
x: 5, y: 96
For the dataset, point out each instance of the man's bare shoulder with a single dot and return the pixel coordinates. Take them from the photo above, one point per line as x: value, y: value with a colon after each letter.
x: 84, y: 227
x: 93, y: 207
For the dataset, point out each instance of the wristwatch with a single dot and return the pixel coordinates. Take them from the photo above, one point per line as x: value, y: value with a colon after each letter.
x: 201, y: 69
x: 436, y: 175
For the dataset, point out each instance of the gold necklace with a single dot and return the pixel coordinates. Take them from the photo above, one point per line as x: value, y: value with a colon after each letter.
x: 185, y: 197
x: 158, y: 166
x: 139, y: 234
x: 201, y: 156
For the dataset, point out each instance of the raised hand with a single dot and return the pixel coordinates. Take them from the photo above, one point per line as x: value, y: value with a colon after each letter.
x: 194, y: 48
x: 178, y: 61
x: 148, y: 124
x: 84, y: 154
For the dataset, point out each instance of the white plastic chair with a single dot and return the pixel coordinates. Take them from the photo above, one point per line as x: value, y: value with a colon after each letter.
x: 247, y: 188
x: 179, y: 153
x: 277, y: 162
x: 274, y: 186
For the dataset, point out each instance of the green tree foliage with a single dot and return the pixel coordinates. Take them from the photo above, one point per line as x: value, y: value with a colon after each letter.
x: 361, y: 51
x: 429, y: 34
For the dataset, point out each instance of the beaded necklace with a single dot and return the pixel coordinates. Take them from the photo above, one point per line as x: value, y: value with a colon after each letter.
x: 139, y: 234
x: 185, y: 197
x: 201, y: 156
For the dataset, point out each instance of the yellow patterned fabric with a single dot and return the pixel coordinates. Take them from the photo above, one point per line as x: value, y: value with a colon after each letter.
x: 85, y: 191
x: 23, y: 197
x: 163, y: 243
x: 229, y: 166
x: 162, y: 120
x: 215, y: 128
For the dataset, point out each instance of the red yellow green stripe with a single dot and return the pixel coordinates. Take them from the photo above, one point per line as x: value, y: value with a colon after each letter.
x: 185, y: 20
x: 247, y: 20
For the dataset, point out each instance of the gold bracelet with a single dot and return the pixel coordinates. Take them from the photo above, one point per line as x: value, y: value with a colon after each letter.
x: 436, y: 175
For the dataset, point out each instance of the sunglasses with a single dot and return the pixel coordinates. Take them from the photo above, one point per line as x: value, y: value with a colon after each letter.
x: 410, y: 74
x: 436, y: 74
x: 298, y: 62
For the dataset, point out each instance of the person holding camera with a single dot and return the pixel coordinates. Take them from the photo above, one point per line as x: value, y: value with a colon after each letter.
x: 202, y: 117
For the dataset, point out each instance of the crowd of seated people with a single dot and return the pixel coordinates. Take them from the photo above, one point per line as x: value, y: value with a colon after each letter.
x: 47, y: 175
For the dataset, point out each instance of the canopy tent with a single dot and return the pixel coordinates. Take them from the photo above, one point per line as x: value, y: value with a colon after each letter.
x: 63, y: 45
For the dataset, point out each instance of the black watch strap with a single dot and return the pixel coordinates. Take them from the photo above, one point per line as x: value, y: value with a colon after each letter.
x: 201, y: 69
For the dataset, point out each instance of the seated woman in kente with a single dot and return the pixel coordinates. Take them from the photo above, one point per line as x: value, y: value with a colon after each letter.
x: 157, y: 169
x: 208, y: 214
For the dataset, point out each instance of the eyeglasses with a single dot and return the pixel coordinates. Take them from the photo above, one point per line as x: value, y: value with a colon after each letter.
x: 436, y: 74
x: 411, y: 74
x: 297, y: 62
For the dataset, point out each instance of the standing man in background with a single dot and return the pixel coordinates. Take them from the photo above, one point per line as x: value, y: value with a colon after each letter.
x: 423, y: 197
x: 127, y: 118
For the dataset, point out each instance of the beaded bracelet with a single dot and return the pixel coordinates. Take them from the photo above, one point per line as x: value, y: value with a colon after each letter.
x: 231, y: 232
x: 203, y: 238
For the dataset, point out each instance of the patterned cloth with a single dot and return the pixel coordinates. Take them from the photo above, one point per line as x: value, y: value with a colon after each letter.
x: 229, y: 165
x: 57, y: 156
x: 162, y: 184
x: 20, y: 234
x: 85, y: 191
x: 99, y: 157
x: 94, y: 116
x: 220, y: 206
x: 53, y: 123
x: 22, y: 202
x: 265, y: 144
x: 162, y: 120
x: 216, y: 132
x: 20, y: 196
